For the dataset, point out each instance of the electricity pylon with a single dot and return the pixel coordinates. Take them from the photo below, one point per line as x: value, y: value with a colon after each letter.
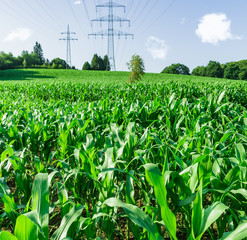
x: 111, y: 32
x: 68, y: 49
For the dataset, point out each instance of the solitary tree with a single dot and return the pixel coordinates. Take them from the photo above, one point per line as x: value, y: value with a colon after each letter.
x: 37, y: 49
x: 137, y: 68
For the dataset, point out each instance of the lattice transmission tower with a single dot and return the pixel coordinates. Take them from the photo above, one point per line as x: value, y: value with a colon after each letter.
x: 110, y: 32
x: 68, y: 48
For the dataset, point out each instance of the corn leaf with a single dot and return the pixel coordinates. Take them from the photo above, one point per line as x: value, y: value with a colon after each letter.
x: 239, y: 233
x: 9, y: 203
x: 197, y: 213
x: 40, y: 202
x: 137, y: 216
x: 25, y: 229
x: 158, y: 182
x: 211, y: 214
x: 67, y: 221
x: 7, y: 236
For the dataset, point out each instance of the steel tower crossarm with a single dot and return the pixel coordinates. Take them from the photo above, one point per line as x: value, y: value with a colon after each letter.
x: 111, y: 18
x: 115, y: 33
x: 110, y: 4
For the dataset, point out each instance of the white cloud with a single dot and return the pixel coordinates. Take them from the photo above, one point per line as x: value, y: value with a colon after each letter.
x: 21, y: 34
x: 77, y: 2
x: 156, y: 47
x: 215, y: 27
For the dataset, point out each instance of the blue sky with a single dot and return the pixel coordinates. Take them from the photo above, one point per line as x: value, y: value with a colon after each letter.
x: 191, y: 32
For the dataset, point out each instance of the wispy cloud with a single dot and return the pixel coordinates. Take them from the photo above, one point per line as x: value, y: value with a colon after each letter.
x: 77, y: 2
x: 215, y: 27
x: 19, y: 34
x: 183, y: 20
x: 156, y: 47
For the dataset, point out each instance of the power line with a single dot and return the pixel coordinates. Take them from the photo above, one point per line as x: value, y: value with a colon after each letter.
x: 130, y: 7
x: 78, y: 22
x: 68, y: 49
x: 48, y: 12
x: 143, y: 10
x: 24, y: 17
x: 159, y: 16
x: 89, y: 21
x: 36, y: 12
x: 85, y: 7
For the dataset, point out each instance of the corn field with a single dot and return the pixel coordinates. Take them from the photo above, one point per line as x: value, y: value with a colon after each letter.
x: 145, y: 161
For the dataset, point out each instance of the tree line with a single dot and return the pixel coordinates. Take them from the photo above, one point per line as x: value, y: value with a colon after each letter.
x: 34, y: 59
x: 231, y: 70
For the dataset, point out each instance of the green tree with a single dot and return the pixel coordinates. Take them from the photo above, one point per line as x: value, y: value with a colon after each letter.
x: 31, y: 59
x: 242, y: 64
x: 232, y: 71
x: 58, y: 61
x: 101, y: 64
x: 137, y: 68
x: 243, y: 74
x: 86, y: 66
x: 199, y: 71
x: 243, y: 69
x: 37, y: 49
x: 177, y: 68
x: 54, y: 65
x: 97, y: 63
x: 94, y: 62
x: 8, y: 61
x: 214, y: 69
x: 107, y: 63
